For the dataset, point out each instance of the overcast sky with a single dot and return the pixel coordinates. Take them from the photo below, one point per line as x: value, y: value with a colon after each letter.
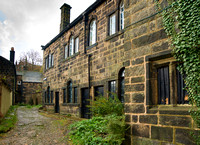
x: 28, y: 24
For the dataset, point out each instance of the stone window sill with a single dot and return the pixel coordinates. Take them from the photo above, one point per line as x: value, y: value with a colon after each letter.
x: 49, y: 68
x: 91, y: 46
x: 114, y: 35
x: 170, y: 109
x: 70, y: 57
x: 49, y: 104
x: 71, y: 104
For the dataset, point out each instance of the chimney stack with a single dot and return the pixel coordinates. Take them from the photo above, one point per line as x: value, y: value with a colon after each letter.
x: 65, y: 16
x: 12, y: 55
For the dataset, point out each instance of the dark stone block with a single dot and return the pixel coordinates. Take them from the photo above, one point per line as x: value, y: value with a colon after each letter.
x: 102, y: 70
x: 164, y: 46
x: 140, y: 130
x: 127, y: 63
x: 183, y: 136
x: 135, y: 71
x: 148, y: 39
x: 137, y: 80
x: 137, y: 98
x: 127, y: 46
x: 127, y: 98
x: 134, y: 108
x: 136, y: 87
x: 162, y: 133
x: 144, y: 141
x: 150, y: 119
x: 138, y: 61
x: 128, y: 129
x: 175, y: 121
x: 134, y: 118
x: 175, y: 112
x: 128, y: 118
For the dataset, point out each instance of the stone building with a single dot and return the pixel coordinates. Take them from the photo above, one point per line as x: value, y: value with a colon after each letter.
x: 119, y: 46
x: 29, y: 87
x: 7, y: 82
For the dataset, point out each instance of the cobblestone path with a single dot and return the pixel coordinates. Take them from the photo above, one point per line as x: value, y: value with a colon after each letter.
x: 33, y: 128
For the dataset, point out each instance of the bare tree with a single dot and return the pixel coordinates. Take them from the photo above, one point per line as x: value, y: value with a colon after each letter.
x: 32, y: 57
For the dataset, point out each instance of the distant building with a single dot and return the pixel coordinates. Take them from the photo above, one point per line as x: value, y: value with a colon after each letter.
x: 7, y: 83
x: 29, y: 87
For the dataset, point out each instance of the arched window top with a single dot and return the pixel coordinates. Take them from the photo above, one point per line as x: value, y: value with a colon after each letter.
x: 92, y: 33
x: 122, y: 72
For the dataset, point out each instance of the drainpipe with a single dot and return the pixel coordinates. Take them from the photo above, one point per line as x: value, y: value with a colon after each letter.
x: 85, y: 32
x: 89, y: 85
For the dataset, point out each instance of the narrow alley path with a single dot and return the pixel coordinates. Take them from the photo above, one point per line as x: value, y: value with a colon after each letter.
x: 35, y: 129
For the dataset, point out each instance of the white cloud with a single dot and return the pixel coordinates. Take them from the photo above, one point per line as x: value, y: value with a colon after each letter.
x: 29, y: 24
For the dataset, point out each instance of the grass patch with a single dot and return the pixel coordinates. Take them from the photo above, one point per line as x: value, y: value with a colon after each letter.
x: 28, y: 105
x: 9, y: 120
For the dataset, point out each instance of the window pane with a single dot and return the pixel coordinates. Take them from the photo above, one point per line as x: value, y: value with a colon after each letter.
x: 71, y: 46
x: 70, y: 92
x: 49, y: 60
x: 46, y: 63
x: 48, y: 94
x: 64, y: 95
x: 92, y: 32
x: 112, y: 88
x: 121, y: 15
x: 75, y: 95
x: 51, y: 96
x: 52, y: 61
x: 76, y: 44
x: 121, y: 85
x: 163, y: 85
x: 112, y: 24
x: 99, y: 91
x: 66, y: 51
x: 181, y: 92
x: 45, y: 97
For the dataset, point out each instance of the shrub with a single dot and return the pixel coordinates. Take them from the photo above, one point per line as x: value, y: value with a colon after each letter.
x: 98, y: 130
x: 106, y: 127
x: 103, y: 106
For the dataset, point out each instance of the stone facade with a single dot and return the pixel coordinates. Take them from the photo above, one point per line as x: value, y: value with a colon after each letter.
x: 29, y: 87
x: 141, y: 48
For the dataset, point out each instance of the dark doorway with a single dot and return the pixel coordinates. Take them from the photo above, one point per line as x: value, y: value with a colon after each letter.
x: 85, y: 111
x: 57, y: 108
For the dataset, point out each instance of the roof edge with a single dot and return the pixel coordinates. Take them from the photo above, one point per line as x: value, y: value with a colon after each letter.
x: 73, y: 23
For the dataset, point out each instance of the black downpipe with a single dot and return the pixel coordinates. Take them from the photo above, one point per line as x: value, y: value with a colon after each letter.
x: 89, y: 84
